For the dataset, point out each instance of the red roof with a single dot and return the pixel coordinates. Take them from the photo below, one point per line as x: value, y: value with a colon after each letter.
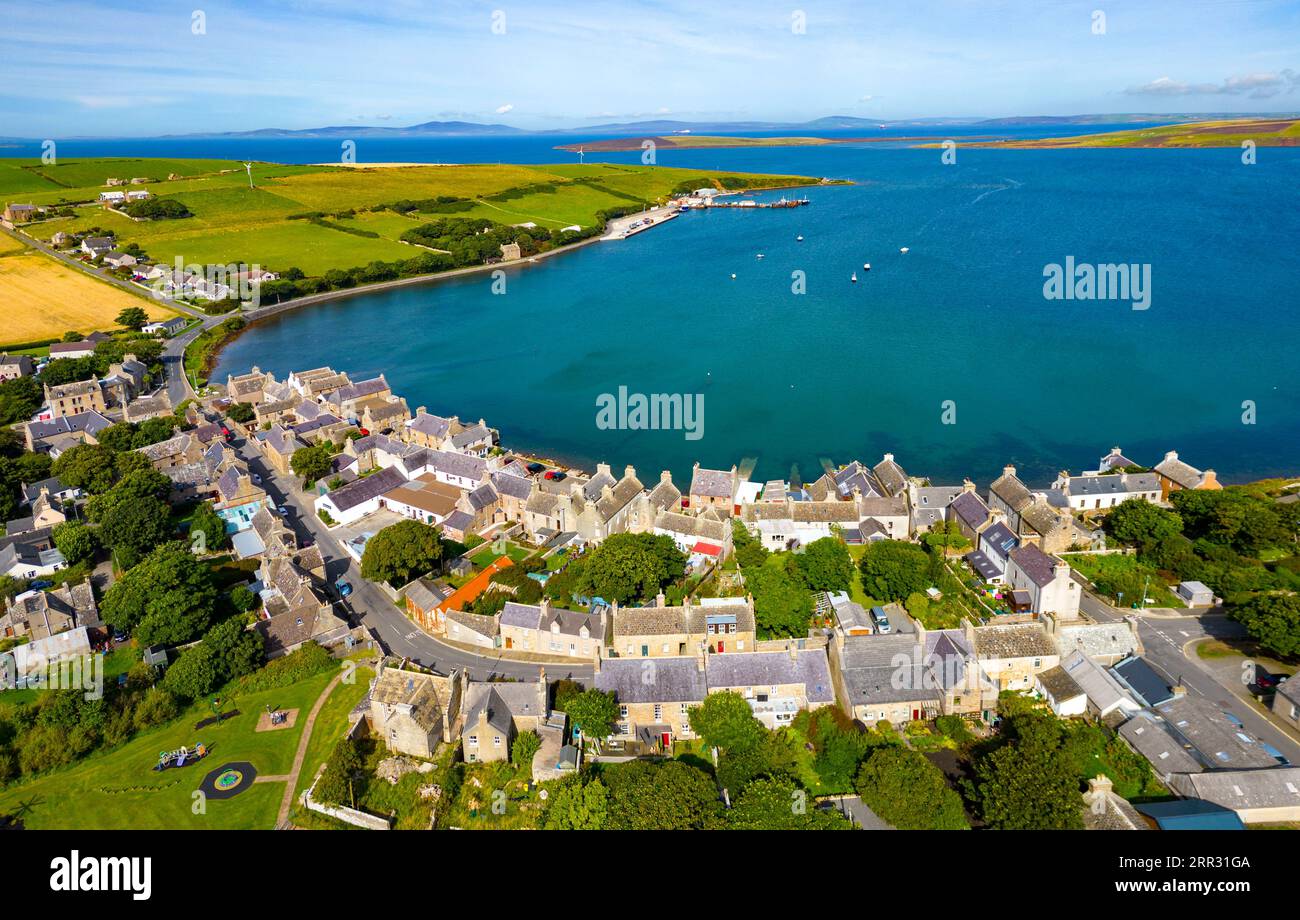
x: 707, y: 549
x: 466, y: 593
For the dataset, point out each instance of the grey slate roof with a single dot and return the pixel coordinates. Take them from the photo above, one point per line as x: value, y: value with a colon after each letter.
x: 970, y: 509
x: 675, y: 680
x: 89, y: 422
x: 1036, y: 564
x: 363, y: 490
x: 809, y: 667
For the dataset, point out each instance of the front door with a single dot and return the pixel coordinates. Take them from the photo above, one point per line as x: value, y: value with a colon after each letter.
x: 722, y: 646
x: 510, y: 643
x: 916, y: 715
x: 645, y: 651
x: 666, y: 739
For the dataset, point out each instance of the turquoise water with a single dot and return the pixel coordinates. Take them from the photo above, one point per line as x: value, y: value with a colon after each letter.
x: 854, y: 370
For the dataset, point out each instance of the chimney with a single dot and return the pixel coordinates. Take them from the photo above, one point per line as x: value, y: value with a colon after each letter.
x: 660, y: 600
x: 606, y: 490
x: 1100, y: 785
x: 666, y: 477
x: 888, y: 458
x: 421, y: 410
x: 602, y: 468
x: 793, y: 649
x: 699, y: 660
x: 1209, y: 478
x: 1008, y: 470
x: 1171, y: 455
x: 629, y: 471
x: 967, y: 485
x: 920, y: 635
x: 968, y: 628
x: 545, y: 605
x: 482, y: 422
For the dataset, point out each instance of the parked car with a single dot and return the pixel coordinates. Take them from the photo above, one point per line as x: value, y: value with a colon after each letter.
x: 1265, y: 680
x: 343, y: 587
x: 536, y: 467
x: 257, y: 480
x: 41, y: 585
x: 284, y: 510
x: 120, y: 635
x: 882, y: 621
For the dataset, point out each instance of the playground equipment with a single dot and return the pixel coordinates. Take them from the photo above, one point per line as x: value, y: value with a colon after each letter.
x: 278, y: 716
x: 179, y: 758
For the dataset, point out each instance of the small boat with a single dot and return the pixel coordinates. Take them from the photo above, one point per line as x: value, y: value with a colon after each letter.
x: 866, y: 266
x: 854, y: 277
x: 733, y: 276
x: 904, y: 249
x: 759, y: 256
x: 799, y: 239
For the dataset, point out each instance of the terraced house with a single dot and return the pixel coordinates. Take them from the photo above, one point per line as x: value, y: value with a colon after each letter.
x: 548, y: 630
x: 716, y: 625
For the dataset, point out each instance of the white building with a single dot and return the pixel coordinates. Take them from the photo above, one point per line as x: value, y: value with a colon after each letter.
x: 1047, y: 581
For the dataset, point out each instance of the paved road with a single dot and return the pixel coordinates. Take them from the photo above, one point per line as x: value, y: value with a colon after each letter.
x: 1164, y: 639
x: 399, y: 635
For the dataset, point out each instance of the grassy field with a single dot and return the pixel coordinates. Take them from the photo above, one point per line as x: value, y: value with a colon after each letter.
x: 698, y: 141
x: 1265, y: 132
x: 44, y: 298
x: 233, y: 223
x: 119, y: 789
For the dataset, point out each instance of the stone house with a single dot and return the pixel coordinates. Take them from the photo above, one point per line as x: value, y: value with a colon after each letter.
x: 495, y: 713
x: 722, y: 626
x: 414, y: 711
x: 1175, y: 474
x: 547, y: 630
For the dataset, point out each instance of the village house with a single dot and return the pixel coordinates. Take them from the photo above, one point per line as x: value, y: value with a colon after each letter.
x: 238, y: 498
x: 344, y: 400
x: 96, y: 246
x: 1104, y: 693
x: 778, y: 685
x: 1093, y: 492
x: 473, y: 628
x: 29, y: 555
x: 993, y: 553
x: 720, y: 625
x: 248, y: 388
x: 165, y: 327
x: 74, y: 398
x: 653, y: 712
x: 1046, y: 580
x: 713, y: 489
x: 476, y: 440
x: 58, y: 434
x: 115, y: 259
x: 1011, y: 655
x: 414, y: 711
x: 547, y: 630
x: 423, y: 598
x: 294, y: 611
x: 383, y: 415
x: 82, y: 349
x: 425, y: 430
x: 1175, y: 474
x: 20, y: 213
x: 47, y: 511
x: 14, y: 366
x: 1257, y: 796
x: 278, y: 446
x: 494, y: 713
x: 356, y: 499
x: 1286, y: 702
x: 971, y: 513
x: 423, y: 499
x: 37, y: 615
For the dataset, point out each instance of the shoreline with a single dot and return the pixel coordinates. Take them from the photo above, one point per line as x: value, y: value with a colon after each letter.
x: 260, y: 314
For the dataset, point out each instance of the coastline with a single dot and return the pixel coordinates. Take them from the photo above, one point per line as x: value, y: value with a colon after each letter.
x: 259, y: 314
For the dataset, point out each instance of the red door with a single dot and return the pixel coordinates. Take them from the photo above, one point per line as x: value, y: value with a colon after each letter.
x: 916, y: 715
x: 722, y: 646
x: 667, y: 740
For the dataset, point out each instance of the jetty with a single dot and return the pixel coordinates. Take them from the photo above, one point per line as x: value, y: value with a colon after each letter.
x: 751, y: 203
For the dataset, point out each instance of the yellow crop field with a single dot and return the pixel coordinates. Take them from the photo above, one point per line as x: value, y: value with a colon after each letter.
x: 8, y: 244
x: 42, y: 299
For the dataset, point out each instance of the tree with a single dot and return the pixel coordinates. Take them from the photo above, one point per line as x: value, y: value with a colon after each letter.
x: 132, y: 318
x: 778, y: 804
x: 1028, y: 782
x: 75, y: 541
x: 524, y: 748
x: 782, y: 606
x: 206, y: 521
x: 236, y: 650
x: 133, y: 516
x: 168, y: 598
x: 241, y: 412
x: 92, y: 467
x: 627, y: 567
x: 724, y: 720
x: 194, y: 674
x: 400, y: 552
x: 905, y: 789
x: 594, y: 712
x: 19, y: 399
x: 1137, y: 522
x: 825, y: 565
x: 338, y: 784
x: 749, y: 552
x: 891, y: 570
x: 575, y: 806
x: 670, y: 795
x: 1273, y: 620
x: 243, y: 599
x: 312, y: 463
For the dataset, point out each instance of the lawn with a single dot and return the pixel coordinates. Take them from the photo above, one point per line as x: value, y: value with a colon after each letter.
x: 486, y: 556
x: 44, y: 298
x: 233, y: 223
x: 118, y: 789
x: 1123, y: 573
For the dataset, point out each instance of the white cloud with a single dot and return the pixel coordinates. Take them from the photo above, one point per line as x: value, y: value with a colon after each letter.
x: 502, y: 109
x: 1256, y: 86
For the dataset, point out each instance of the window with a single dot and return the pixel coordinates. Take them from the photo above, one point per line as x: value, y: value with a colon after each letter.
x: 658, y: 712
x: 622, y: 712
x: 496, y: 741
x: 685, y: 709
x: 472, y: 739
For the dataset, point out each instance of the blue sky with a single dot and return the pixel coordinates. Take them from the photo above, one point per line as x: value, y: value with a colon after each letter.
x: 138, y: 68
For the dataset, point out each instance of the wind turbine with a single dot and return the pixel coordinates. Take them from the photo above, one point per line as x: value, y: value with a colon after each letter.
x: 580, y: 157
x: 249, y: 168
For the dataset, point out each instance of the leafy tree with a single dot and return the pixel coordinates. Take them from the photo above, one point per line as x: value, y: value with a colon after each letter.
x: 75, y: 541
x: 1137, y: 522
x: 206, y: 521
x: 905, y: 789
x: 92, y: 467
x: 671, y: 795
x: 1236, y: 517
x: 575, y: 806
x: 243, y: 599
x: 891, y: 570
x: 724, y: 720
x: 777, y: 803
x: 241, y: 412
x: 782, y: 605
x: 19, y: 399
x: 133, y: 516
x: 749, y: 552
x: 525, y: 747
x: 400, y: 552
x: 1273, y: 620
x: 132, y: 318
x: 1028, y: 782
x: 312, y: 463
x: 167, y: 599
x: 593, y: 711
x: 236, y: 650
x: 155, y: 707
x: 340, y: 783
x: 773, y: 756
x: 194, y: 674
x: 825, y: 565
x: 627, y: 567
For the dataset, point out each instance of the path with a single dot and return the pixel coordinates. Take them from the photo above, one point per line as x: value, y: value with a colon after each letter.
x: 286, y: 804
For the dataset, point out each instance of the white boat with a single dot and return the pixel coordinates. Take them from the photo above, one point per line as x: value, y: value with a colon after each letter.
x: 866, y: 266
x: 854, y: 277
x: 759, y: 256
x: 799, y: 239
x: 733, y: 276
x: 904, y: 249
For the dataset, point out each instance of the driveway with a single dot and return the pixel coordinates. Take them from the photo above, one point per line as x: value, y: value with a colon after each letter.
x: 372, y: 607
